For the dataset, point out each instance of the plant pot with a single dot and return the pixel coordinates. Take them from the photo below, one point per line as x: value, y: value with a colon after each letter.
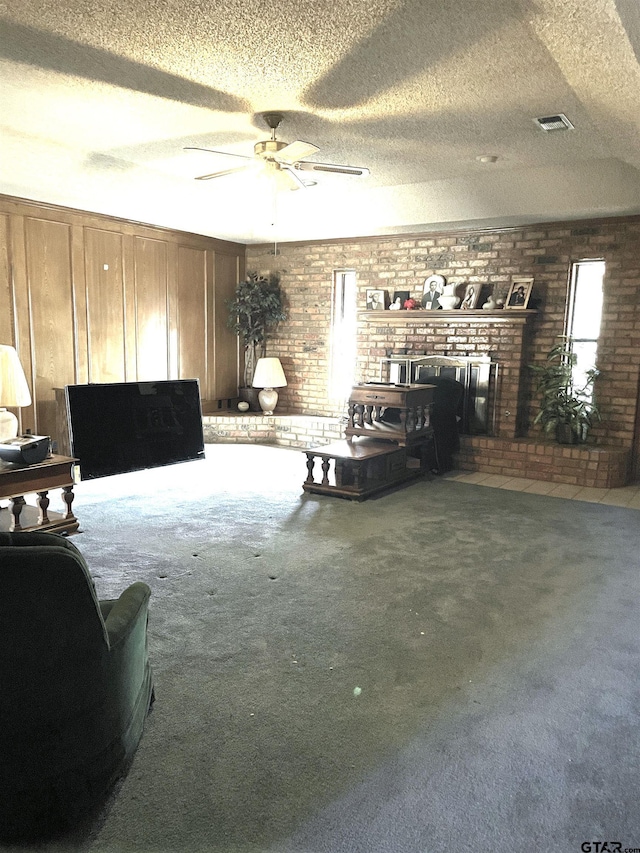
x: 565, y: 435
x: 250, y: 396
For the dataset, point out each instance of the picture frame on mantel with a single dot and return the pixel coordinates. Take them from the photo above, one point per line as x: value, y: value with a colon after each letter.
x: 377, y: 300
x: 401, y: 295
x: 470, y: 298
x: 519, y: 293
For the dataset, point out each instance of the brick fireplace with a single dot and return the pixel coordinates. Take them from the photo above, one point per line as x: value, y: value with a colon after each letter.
x: 499, y: 335
x: 389, y: 340
x: 476, y: 373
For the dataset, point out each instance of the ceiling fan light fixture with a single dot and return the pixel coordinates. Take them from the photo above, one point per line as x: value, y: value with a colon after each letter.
x: 268, y: 147
x: 556, y: 122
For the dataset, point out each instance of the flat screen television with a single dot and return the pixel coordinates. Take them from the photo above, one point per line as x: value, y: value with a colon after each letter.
x: 128, y: 426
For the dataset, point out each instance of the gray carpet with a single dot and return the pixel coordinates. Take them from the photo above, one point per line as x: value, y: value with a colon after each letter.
x: 443, y: 668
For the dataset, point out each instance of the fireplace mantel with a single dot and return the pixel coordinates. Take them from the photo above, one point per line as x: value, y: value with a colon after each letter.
x: 505, y: 315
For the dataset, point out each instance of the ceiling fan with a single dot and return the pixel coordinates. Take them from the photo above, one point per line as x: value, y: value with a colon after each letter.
x: 285, y: 158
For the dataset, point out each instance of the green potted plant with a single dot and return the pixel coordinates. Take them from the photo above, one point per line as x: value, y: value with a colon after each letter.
x: 254, y: 313
x: 566, y: 410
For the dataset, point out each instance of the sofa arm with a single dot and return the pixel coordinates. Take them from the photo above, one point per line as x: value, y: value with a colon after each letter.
x: 126, y: 611
x: 30, y: 538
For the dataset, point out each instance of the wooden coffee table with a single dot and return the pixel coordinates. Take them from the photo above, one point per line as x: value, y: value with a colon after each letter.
x: 16, y: 481
x: 362, y: 467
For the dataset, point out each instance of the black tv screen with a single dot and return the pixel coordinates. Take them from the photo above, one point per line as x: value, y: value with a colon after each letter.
x: 128, y: 426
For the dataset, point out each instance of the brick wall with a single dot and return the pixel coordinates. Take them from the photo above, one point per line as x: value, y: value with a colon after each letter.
x: 486, y: 258
x: 284, y: 430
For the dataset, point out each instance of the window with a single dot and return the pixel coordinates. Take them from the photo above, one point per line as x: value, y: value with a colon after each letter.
x: 584, y: 314
x: 342, y: 359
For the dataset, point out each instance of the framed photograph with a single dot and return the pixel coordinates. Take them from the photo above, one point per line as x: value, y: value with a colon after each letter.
x: 432, y: 291
x: 376, y: 300
x: 519, y: 293
x: 470, y: 298
x: 399, y: 298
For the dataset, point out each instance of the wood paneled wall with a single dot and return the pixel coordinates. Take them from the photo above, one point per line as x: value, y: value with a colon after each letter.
x: 90, y: 298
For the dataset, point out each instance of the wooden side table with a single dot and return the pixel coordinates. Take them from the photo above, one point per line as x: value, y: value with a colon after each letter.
x: 413, y: 403
x: 56, y: 472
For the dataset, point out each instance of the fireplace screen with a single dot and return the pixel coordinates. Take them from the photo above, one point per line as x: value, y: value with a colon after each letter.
x: 477, y: 375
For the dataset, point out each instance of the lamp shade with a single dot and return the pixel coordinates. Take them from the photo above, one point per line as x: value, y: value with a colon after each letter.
x: 14, y: 390
x: 269, y: 374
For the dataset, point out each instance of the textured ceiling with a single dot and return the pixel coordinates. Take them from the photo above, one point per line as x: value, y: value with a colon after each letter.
x: 99, y: 99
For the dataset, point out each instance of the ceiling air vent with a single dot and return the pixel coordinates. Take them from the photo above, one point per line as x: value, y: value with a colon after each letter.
x: 549, y: 123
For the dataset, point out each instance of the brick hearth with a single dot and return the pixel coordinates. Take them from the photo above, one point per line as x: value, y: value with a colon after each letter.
x: 586, y: 465
x: 583, y: 465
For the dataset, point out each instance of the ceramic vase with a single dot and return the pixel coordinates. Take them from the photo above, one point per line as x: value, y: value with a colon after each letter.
x: 449, y: 300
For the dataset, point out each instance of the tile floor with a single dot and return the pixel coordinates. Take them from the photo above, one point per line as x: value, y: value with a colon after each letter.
x: 628, y: 496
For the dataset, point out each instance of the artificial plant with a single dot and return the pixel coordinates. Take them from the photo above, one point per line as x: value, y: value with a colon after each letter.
x: 567, y: 410
x: 254, y: 313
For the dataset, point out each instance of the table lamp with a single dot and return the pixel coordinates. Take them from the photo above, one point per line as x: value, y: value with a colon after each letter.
x: 269, y: 375
x: 14, y: 391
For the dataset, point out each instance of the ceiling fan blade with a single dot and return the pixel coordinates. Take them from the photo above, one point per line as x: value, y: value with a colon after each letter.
x: 215, y: 151
x: 330, y: 167
x: 297, y: 151
x: 295, y: 183
x: 222, y: 173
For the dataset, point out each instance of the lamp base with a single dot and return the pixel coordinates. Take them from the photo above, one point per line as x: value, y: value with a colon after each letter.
x: 268, y: 399
x: 8, y: 425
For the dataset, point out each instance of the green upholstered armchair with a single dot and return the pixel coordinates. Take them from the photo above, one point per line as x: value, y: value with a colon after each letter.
x: 75, y: 684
